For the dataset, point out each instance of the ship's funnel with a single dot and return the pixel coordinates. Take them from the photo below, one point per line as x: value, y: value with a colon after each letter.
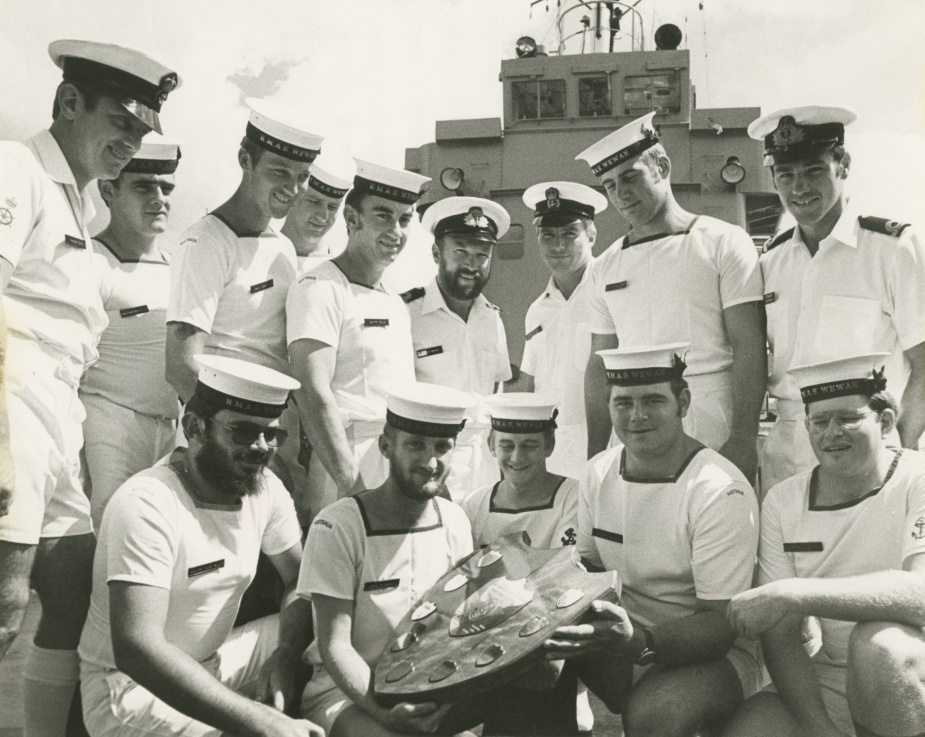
x: 668, y: 37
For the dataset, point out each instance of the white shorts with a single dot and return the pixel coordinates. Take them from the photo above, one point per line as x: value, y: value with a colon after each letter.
x: 115, y: 706
x: 45, y: 418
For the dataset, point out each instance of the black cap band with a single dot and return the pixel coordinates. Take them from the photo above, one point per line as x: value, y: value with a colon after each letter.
x: 152, y: 166
x: 277, y: 146
x: 424, y: 429
x: 629, y: 152
x: 117, y: 82
x: 791, y: 141
x: 326, y: 189
x: 221, y: 400
x: 845, y: 388
x: 467, y: 223
x: 523, y: 427
x: 642, y: 376
x: 396, y: 194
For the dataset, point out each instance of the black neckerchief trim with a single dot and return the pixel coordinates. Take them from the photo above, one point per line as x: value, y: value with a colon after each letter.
x: 236, y: 233
x: 507, y: 510
x: 351, y: 281
x: 108, y: 247
x: 658, y: 236
x: 814, y: 489
x: 657, y: 480
x: 370, y: 532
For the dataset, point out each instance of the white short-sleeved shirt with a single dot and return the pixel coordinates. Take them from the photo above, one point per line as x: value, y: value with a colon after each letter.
x: 131, y: 364
x: 155, y: 533
x: 383, y: 573
x: 53, y: 296
x: 368, y: 326
x: 863, y: 292
x: 877, y: 532
x: 234, y: 288
x: 673, y: 289
x: 552, y: 525
x: 672, y: 540
x: 468, y: 355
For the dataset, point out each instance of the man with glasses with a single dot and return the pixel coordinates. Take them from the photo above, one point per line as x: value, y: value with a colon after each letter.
x: 844, y: 543
x: 178, y: 546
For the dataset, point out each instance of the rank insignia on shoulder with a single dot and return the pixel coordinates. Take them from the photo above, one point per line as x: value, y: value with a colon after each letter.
x: 493, y: 306
x: 413, y: 294
x: 779, y: 238
x: 882, y: 225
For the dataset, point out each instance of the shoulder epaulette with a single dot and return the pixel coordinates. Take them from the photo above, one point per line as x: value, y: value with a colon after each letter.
x: 778, y: 239
x: 413, y: 294
x: 882, y: 225
x: 493, y: 306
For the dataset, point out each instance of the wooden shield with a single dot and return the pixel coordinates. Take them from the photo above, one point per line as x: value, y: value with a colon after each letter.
x: 485, y: 621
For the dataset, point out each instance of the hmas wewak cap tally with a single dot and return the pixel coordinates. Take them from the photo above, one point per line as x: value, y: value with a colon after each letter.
x: 397, y: 185
x: 521, y: 412
x: 281, y: 130
x: 157, y: 155
x: 472, y: 216
x: 137, y: 81
x: 841, y: 377
x: 425, y: 409
x: 242, y: 386
x: 651, y: 364
x: 623, y: 144
x: 333, y: 171
x: 801, y: 132
x: 559, y: 203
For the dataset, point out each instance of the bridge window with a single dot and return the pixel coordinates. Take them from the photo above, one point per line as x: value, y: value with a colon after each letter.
x: 659, y: 92
x: 538, y: 98
x: 594, y: 96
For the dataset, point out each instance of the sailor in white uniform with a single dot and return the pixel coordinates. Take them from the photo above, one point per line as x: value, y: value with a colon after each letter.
x: 558, y: 335
x: 131, y: 409
x: 369, y: 558
x: 677, y: 277
x: 348, y: 334
x: 458, y: 336
x: 844, y: 542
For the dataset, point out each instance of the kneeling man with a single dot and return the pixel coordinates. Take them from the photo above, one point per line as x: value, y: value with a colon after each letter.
x: 178, y: 546
x: 679, y: 523
x: 844, y: 543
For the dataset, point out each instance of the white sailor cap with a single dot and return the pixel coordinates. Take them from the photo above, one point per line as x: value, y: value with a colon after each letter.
x: 242, y: 386
x: 650, y: 364
x: 473, y: 216
x: 841, y: 377
x: 801, y: 132
x: 629, y: 141
x: 282, y: 130
x: 430, y: 410
x: 137, y: 81
x: 397, y: 185
x: 521, y: 412
x: 559, y: 203
x: 333, y: 171
x: 157, y: 155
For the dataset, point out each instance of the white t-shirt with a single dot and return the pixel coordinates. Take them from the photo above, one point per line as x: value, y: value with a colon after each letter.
x: 155, y: 533
x: 234, y: 288
x: 552, y: 525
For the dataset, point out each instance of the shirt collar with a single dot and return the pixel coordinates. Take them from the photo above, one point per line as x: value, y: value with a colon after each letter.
x: 433, y: 299
x: 845, y: 230
x: 552, y: 289
x: 55, y: 165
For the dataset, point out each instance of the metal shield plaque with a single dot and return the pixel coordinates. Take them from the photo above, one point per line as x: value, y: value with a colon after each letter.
x: 490, y: 629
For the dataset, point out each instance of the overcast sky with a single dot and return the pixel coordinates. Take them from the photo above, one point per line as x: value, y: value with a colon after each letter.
x: 381, y: 72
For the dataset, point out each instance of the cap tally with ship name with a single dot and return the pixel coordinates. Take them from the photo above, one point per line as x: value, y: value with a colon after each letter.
x: 423, y: 409
x: 281, y: 130
x: 641, y: 365
x: 841, y: 377
x: 521, y: 412
x: 623, y: 144
x: 333, y: 171
x: 397, y: 185
x: 560, y: 203
x: 801, y: 132
x: 473, y: 216
x: 136, y: 80
x: 243, y: 386
x: 157, y: 155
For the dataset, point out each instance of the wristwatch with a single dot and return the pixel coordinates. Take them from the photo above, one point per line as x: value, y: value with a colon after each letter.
x: 647, y: 655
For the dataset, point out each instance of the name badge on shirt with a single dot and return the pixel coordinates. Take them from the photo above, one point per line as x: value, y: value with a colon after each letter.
x: 73, y: 240
x: 425, y: 352
x: 386, y: 585
x: 132, y: 311
x: 260, y: 287
x: 376, y: 322
x: 537, y: 329
x: 206, y: 568
x: 814, y: 547
x: 770, y: 297
x: 615, y: 286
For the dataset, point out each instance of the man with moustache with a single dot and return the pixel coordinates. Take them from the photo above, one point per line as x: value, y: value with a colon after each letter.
x: 51, y: 317
x: 677, y: 277
x: 458, y: 335
x: 348, y: 334
x: 368, y: 559
x: 131, y: 410
x: 178, y: 546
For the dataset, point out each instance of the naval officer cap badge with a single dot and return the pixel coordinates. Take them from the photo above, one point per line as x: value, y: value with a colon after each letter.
x: 555, y: 204
x: 802, y: 132
x: 475, y: 218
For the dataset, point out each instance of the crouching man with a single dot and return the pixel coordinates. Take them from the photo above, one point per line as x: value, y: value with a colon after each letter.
x: 843, y: 542
x: 178, y: 546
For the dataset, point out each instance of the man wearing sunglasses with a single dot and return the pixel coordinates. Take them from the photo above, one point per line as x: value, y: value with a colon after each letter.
x: 178, y: 546
x: 844, y: 542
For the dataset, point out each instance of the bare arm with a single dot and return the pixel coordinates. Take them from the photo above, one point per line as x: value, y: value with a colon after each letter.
x: 313, y: 365
x: 596, y: 395
x: 183, y: 342
x: 7, y: 476
x: 911, y: 421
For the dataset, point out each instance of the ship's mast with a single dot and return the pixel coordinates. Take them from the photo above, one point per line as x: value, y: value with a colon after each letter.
x: 603, y: 22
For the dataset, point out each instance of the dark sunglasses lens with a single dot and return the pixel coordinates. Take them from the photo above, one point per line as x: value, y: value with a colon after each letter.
x: 248, y: 434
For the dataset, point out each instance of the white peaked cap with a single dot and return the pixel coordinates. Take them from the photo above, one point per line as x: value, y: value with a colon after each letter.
x: 467, y: 215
